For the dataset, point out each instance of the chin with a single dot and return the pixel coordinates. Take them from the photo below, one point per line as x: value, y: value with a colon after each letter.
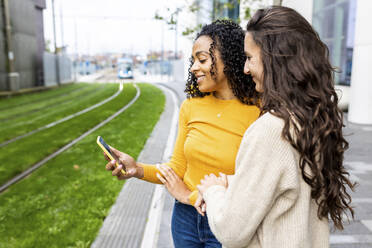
x: 258, y: 88
x: 203, y: 89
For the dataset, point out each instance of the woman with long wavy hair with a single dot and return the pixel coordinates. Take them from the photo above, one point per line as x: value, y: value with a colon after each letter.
x: 289, y: 178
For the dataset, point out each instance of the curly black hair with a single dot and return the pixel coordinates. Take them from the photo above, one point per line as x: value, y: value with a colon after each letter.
x: 228, y: 38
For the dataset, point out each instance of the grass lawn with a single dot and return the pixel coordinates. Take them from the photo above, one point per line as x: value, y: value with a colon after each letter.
x: 24, y: 118
x: 64, y: 203
x: 22, y: 154
x: 15, y: 101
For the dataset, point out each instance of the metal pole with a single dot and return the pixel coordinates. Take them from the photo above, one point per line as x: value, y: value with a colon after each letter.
x: 175, y: 52
x: 175, y: 47
x: 62, y: 30
x: 214, y: 10
x: 55, y: 45
x: 13, y: 76
x: 162, y: 41
x: 76, y: 51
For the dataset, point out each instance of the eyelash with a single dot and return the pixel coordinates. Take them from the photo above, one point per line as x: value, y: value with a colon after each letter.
x: 202, y: 60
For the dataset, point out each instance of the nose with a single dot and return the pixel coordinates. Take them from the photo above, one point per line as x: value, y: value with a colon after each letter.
x: 195, y: 67
x: 246, y: 68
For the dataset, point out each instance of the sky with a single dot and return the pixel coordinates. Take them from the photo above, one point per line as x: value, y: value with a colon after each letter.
x: 98, y: 26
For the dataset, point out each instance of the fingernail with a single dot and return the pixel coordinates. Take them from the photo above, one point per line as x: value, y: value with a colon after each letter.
x: 120, y: 166
x: 113, y: 162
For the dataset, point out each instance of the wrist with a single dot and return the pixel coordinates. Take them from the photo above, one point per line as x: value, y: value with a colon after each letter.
x: 139, y: 171
x: 186, y: 199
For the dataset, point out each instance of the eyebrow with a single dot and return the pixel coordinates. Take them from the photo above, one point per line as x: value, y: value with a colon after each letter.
x: 201, y: 52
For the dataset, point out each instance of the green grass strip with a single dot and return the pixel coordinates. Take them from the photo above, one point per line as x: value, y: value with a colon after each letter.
x: 22, y: 154
x: 19, y: 126
x: 64, y: 203
x: 29, y: 98
x: 40, y: 106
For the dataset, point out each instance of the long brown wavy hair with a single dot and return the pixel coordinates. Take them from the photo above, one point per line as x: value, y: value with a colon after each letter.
x: 298, y: 86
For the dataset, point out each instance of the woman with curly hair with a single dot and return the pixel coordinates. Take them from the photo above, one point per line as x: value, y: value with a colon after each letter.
x: 289, y: 178
x: 212, y: 121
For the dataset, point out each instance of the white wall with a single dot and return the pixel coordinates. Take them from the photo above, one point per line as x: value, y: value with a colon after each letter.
x: 304, y: 7
x: 360, y: 109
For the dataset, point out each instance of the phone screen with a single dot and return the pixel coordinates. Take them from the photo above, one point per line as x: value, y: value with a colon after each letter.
x: 108, y: 148
x: 105, y: 145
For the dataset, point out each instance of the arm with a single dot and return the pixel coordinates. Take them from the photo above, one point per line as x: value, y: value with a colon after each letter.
x: 178, y: 161
x: 264, y: 161
x: 175, y: 186
x: 148, y: 172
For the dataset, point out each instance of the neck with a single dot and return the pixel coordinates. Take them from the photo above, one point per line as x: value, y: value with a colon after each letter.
x: 224, y: 95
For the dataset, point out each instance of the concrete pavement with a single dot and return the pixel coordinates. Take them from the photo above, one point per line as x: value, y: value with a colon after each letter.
x: 126, y: 222
x: 358, y: 161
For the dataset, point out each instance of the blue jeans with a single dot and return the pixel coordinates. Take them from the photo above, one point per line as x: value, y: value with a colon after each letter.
x: 190, y: 229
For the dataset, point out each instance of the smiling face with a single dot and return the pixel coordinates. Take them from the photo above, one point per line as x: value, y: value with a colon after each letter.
x: 253, y: 65
x: 202, y: 65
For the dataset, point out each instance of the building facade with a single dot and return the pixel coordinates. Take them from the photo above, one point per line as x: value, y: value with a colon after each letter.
x: 344, y: 26
x: 27, y: 43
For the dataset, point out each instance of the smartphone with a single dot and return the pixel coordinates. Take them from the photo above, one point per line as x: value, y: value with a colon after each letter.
x: 106, y: 149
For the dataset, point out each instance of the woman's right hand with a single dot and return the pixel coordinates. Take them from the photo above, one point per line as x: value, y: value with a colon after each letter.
x: 200, y: 205
x: 125, y: 162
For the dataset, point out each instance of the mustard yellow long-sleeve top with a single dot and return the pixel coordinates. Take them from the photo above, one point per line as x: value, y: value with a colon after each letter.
x: 209, y: 134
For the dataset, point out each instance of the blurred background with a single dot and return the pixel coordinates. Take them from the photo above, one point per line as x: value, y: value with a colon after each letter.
x: 69, y: 67
x: 49, y: 42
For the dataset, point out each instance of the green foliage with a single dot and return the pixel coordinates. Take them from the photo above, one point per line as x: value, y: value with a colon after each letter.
x: 190, y: 31
x: 247, y: 13
x: 194, y: 7
x: 216, y: 13
x: 64, y: 203
x: 158, y: 17
x: 171, y: 18
x: 48, y: 44
x: 252, y: 5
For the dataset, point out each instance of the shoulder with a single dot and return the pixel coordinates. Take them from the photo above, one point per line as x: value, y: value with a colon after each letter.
x: 265, y: 135
x: 189, y: 105
x: 264, y: 140
x: 267, y: 125
x: 188, y: 102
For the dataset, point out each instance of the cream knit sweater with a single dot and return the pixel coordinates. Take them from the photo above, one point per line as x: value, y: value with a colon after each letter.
x: 267, y: 203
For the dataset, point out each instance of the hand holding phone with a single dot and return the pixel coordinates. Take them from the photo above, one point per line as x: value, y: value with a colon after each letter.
x: 106, y: 149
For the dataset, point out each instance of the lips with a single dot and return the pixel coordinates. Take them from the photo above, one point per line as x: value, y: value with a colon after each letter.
x: 199, y: 78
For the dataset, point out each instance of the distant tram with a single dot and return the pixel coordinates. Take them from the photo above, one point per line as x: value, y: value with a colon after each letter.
x: 125, y: 68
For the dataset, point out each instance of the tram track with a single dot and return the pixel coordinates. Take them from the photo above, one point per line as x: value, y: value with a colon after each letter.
x: 63, y: 119
x: 42, y: 99
x: 60, y: 102
x: 30, y: 170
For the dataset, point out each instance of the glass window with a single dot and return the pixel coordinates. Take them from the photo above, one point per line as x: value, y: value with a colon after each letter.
x: 226, y: 9
x: 334, y: 20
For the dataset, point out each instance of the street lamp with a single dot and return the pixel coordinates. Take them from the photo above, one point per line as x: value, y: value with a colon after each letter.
x: 13, y: 76
x: 55, y: 46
